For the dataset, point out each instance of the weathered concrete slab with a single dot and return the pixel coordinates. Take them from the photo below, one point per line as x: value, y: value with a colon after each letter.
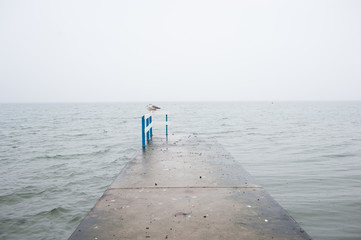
x: 184, y: 162
x: 186, y: 188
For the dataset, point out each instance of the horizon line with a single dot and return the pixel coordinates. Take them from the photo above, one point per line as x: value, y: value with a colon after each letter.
x: 172, y: 101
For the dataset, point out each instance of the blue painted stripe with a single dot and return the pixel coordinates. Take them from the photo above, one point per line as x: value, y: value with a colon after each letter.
x: 166, y: 126
x: 151, y: 129
x: 147, y: 121
x: 143, y: 134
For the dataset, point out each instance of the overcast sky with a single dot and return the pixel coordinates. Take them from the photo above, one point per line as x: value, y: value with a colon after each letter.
x: 96, y: 51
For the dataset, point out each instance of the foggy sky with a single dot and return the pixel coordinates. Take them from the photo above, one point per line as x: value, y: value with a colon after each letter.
x: 95, y: 51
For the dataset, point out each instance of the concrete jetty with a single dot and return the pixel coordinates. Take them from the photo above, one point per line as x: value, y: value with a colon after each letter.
x: 186, y: 187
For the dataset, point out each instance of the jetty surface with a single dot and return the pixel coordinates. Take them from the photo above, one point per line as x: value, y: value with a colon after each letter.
x: 186, y: 187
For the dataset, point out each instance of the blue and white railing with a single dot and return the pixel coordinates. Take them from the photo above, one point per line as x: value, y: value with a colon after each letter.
x: 147, y: 127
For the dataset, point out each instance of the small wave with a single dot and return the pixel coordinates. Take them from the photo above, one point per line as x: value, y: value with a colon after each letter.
x: 78, y: 135
x: 344, y: 155
x: 58, y: 210
x: 55, y: 212
x: 61, y: 156
x: 51, y: 156
x: 28, y: 192
x: 76, y: 219
x: 13, y: 221
x: 252, y: 133
x: 18, y: 196
x: 100, y: 152
x: 66, y: 135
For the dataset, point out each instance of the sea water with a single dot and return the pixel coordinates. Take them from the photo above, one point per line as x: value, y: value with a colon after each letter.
x: 56, y: 160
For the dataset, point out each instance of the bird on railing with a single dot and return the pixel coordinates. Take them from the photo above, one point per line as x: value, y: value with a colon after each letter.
x: 152, y: 108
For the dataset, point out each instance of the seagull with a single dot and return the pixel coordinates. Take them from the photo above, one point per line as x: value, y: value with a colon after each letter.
x: 152, y: 108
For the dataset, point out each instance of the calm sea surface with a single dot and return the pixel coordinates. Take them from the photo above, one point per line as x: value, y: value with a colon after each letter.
x: 56, y: 160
